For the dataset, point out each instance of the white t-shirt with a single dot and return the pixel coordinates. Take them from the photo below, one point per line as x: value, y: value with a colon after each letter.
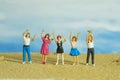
x: 26, y: 41
x: 73, y: 44
x: 90, y: 45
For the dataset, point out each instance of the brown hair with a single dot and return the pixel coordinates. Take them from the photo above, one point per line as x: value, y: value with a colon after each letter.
x: 59, y: 37
x: 75, y: 38
x: 27, y: 34
x: 48, y: 36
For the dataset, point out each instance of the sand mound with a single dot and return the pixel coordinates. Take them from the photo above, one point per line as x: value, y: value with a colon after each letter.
x: 117, y: 60
x: 2, y: 58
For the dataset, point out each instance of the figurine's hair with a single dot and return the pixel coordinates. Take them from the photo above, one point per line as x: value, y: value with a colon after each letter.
x: 27, y: 34
x: 59, y: 37
x: 47, y: 35
x: 75, y: 38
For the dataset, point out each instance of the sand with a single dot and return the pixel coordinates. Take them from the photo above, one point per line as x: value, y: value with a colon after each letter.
x: 107, y: 68
x: 2, y: 58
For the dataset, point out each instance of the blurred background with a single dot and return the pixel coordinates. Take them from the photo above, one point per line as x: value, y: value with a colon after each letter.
x: 60, y: 16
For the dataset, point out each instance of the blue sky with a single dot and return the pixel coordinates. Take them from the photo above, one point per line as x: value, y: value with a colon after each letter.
x: 61, y: 16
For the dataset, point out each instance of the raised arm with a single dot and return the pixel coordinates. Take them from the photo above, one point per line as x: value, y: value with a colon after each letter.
x: 92, y: 38
x: 51, y: 41
x: 87, y: 39
x: 25, y: 32
x: 64, y: 38
x: 70, y: 36
x: 54, y: 37
x: 33, y: 38
x: 42, y: 33
x: 90, y: 33
x: 78, y: 34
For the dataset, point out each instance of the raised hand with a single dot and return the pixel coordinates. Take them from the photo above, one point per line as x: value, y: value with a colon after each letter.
x: 53, y: 33
x: 78, y: 33
x: 70, y: 35
x: 54, y: 37
x: 27, y: 30
x: 42, y: 30
x: 34, y: 35
x: 64, y: 38
x: 42, y: 34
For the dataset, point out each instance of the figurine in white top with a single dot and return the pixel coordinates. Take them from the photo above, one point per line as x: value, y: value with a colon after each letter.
x: 26, y: 45
x: 74, y: 51
x: 90, y: 44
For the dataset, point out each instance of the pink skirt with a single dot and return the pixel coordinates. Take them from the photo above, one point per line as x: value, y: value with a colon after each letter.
x: 45, y: 49
x: 44, y: 52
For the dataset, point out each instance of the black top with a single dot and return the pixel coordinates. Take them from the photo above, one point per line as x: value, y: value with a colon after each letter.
x: 59, y: 47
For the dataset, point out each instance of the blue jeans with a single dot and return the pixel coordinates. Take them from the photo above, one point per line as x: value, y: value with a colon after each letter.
x: 90, y: 51
x: 26, y: 49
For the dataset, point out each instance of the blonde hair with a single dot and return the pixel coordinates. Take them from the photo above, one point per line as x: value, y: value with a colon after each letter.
x: 27, y: 34
x: 90, y: 39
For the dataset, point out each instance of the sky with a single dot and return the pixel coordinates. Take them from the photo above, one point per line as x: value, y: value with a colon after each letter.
x: 60, y: 16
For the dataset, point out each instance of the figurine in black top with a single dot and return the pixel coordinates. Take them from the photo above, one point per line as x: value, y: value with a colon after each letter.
x: 60, y: 49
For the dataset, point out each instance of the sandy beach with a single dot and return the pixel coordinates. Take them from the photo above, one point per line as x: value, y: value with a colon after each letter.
x: 107, y: 68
